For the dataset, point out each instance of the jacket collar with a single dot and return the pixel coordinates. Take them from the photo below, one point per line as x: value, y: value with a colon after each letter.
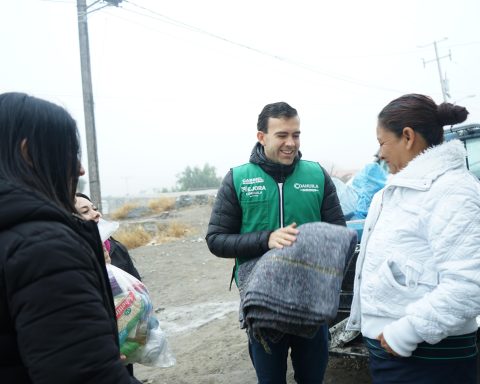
x: 425, y: 168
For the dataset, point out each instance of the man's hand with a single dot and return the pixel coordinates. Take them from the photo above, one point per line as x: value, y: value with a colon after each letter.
x: 283, y: 237
x: 385, y: 345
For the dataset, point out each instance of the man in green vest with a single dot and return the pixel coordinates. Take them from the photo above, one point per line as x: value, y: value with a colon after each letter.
x: 258, y: 207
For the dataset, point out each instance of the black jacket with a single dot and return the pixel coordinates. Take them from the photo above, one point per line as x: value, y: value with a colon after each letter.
x: 121, y: 258
x: 57, y: 316
x: 223, y: 233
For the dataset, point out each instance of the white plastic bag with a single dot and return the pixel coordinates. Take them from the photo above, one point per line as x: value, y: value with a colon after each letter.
x: 140, y: 336
x: 106, y: 228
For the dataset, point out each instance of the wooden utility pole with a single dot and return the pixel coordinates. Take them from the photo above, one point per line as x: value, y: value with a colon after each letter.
x: 93, y: 174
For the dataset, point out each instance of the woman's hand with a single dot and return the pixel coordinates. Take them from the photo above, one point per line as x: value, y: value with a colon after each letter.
x: 106, y: 255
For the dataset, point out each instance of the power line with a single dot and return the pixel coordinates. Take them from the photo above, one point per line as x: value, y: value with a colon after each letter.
x: 308, y: 67
x: 202, y: 31
x: 59, y: 1
x: 179, y: 23
x: 464, y: 44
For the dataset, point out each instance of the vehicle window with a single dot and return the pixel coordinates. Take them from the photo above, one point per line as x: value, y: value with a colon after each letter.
x: 473, y: 154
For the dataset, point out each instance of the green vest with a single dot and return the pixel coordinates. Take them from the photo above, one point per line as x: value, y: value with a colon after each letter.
x: 267, y: 205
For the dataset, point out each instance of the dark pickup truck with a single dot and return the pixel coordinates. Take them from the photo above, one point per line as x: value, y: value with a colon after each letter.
x: 349, y: 344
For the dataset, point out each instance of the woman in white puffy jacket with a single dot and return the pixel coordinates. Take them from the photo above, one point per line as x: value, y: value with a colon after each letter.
x: 417, y: 285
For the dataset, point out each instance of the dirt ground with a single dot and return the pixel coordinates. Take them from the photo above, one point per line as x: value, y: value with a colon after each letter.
x: 189, y: 287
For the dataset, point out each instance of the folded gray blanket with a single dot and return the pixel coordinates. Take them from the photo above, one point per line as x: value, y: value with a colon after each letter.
x: 296, y: 289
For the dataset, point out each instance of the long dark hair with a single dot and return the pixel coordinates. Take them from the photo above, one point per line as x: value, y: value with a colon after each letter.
x: 422, y: 114
x: 50, y: 160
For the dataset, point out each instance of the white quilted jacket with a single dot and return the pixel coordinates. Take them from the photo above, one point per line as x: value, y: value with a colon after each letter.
x: 418, y: 271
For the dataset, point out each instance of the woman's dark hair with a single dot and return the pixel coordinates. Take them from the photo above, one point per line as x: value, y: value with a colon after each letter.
x: 80, y: 194
x: 39, y: 147
x: 276, y: 110
x: 422, y: 114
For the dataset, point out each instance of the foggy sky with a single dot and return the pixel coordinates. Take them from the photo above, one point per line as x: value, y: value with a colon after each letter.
x: 181, y: 83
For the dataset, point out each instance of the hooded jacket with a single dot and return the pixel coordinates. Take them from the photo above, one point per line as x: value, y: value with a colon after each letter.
x: 223, y: 235
x: 418, y: 271
x: 57, y: 317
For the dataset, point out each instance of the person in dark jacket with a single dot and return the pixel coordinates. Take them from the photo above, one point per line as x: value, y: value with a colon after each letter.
x: 258, y: 207
x: 114, y: 251
x: 57, y: 317
x: 117, y: 253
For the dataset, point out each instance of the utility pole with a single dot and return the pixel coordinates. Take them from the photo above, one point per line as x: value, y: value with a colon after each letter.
x: 88, y: 110
x: 88, y: 106
x: 443, y: 81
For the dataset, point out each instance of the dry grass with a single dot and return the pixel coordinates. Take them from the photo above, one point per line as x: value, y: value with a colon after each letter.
x: 137, y: 236
x: 133, y: 237
x: 162, y: 204
x: 172, y: 231
x: 177, y: 229
x: 123, y: 211
x: 154, y: 206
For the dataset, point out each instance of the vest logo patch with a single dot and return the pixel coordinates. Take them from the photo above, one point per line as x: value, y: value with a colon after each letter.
x: 306, y: 187
x: 254, y: 190
x: 253, y: 180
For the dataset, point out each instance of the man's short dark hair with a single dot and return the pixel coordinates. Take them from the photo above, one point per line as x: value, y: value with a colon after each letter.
x: 275, y: 110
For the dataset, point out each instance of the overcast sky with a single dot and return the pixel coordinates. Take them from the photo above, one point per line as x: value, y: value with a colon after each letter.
x: 181, y: 83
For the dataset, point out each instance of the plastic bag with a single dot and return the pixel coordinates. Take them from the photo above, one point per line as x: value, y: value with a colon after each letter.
x: 140, y: 336
x: 366, y: 183
x: 347, y: 196
x: 106, y: 228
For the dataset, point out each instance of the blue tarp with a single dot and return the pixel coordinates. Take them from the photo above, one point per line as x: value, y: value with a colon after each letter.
x: 355, y: 198
x: 366, y: 183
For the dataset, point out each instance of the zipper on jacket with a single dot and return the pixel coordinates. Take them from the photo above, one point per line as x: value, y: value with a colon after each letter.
x: 280, y: 195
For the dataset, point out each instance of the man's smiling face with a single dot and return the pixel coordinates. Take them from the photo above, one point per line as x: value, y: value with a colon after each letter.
x: 281, y: 142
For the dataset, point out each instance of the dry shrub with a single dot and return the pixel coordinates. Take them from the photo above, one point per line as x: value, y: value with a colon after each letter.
x: 133, y: 237
x: 177, y: 229
x: 162, y: 204
x: 172, y: 231
x: 123, y: 211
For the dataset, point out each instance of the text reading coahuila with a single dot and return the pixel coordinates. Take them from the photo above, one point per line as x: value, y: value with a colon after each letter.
x: 305, y: 186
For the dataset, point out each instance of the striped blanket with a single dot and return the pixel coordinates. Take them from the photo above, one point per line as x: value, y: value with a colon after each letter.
x: 296, y: 289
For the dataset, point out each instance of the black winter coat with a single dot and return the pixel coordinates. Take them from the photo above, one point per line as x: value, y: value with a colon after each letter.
x: 223, y: 233
x: 121, y: 258
x: 57, y: 316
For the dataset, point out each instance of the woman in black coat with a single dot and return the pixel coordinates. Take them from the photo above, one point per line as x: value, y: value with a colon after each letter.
x: 114, y: 251
x: 57, y: 318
